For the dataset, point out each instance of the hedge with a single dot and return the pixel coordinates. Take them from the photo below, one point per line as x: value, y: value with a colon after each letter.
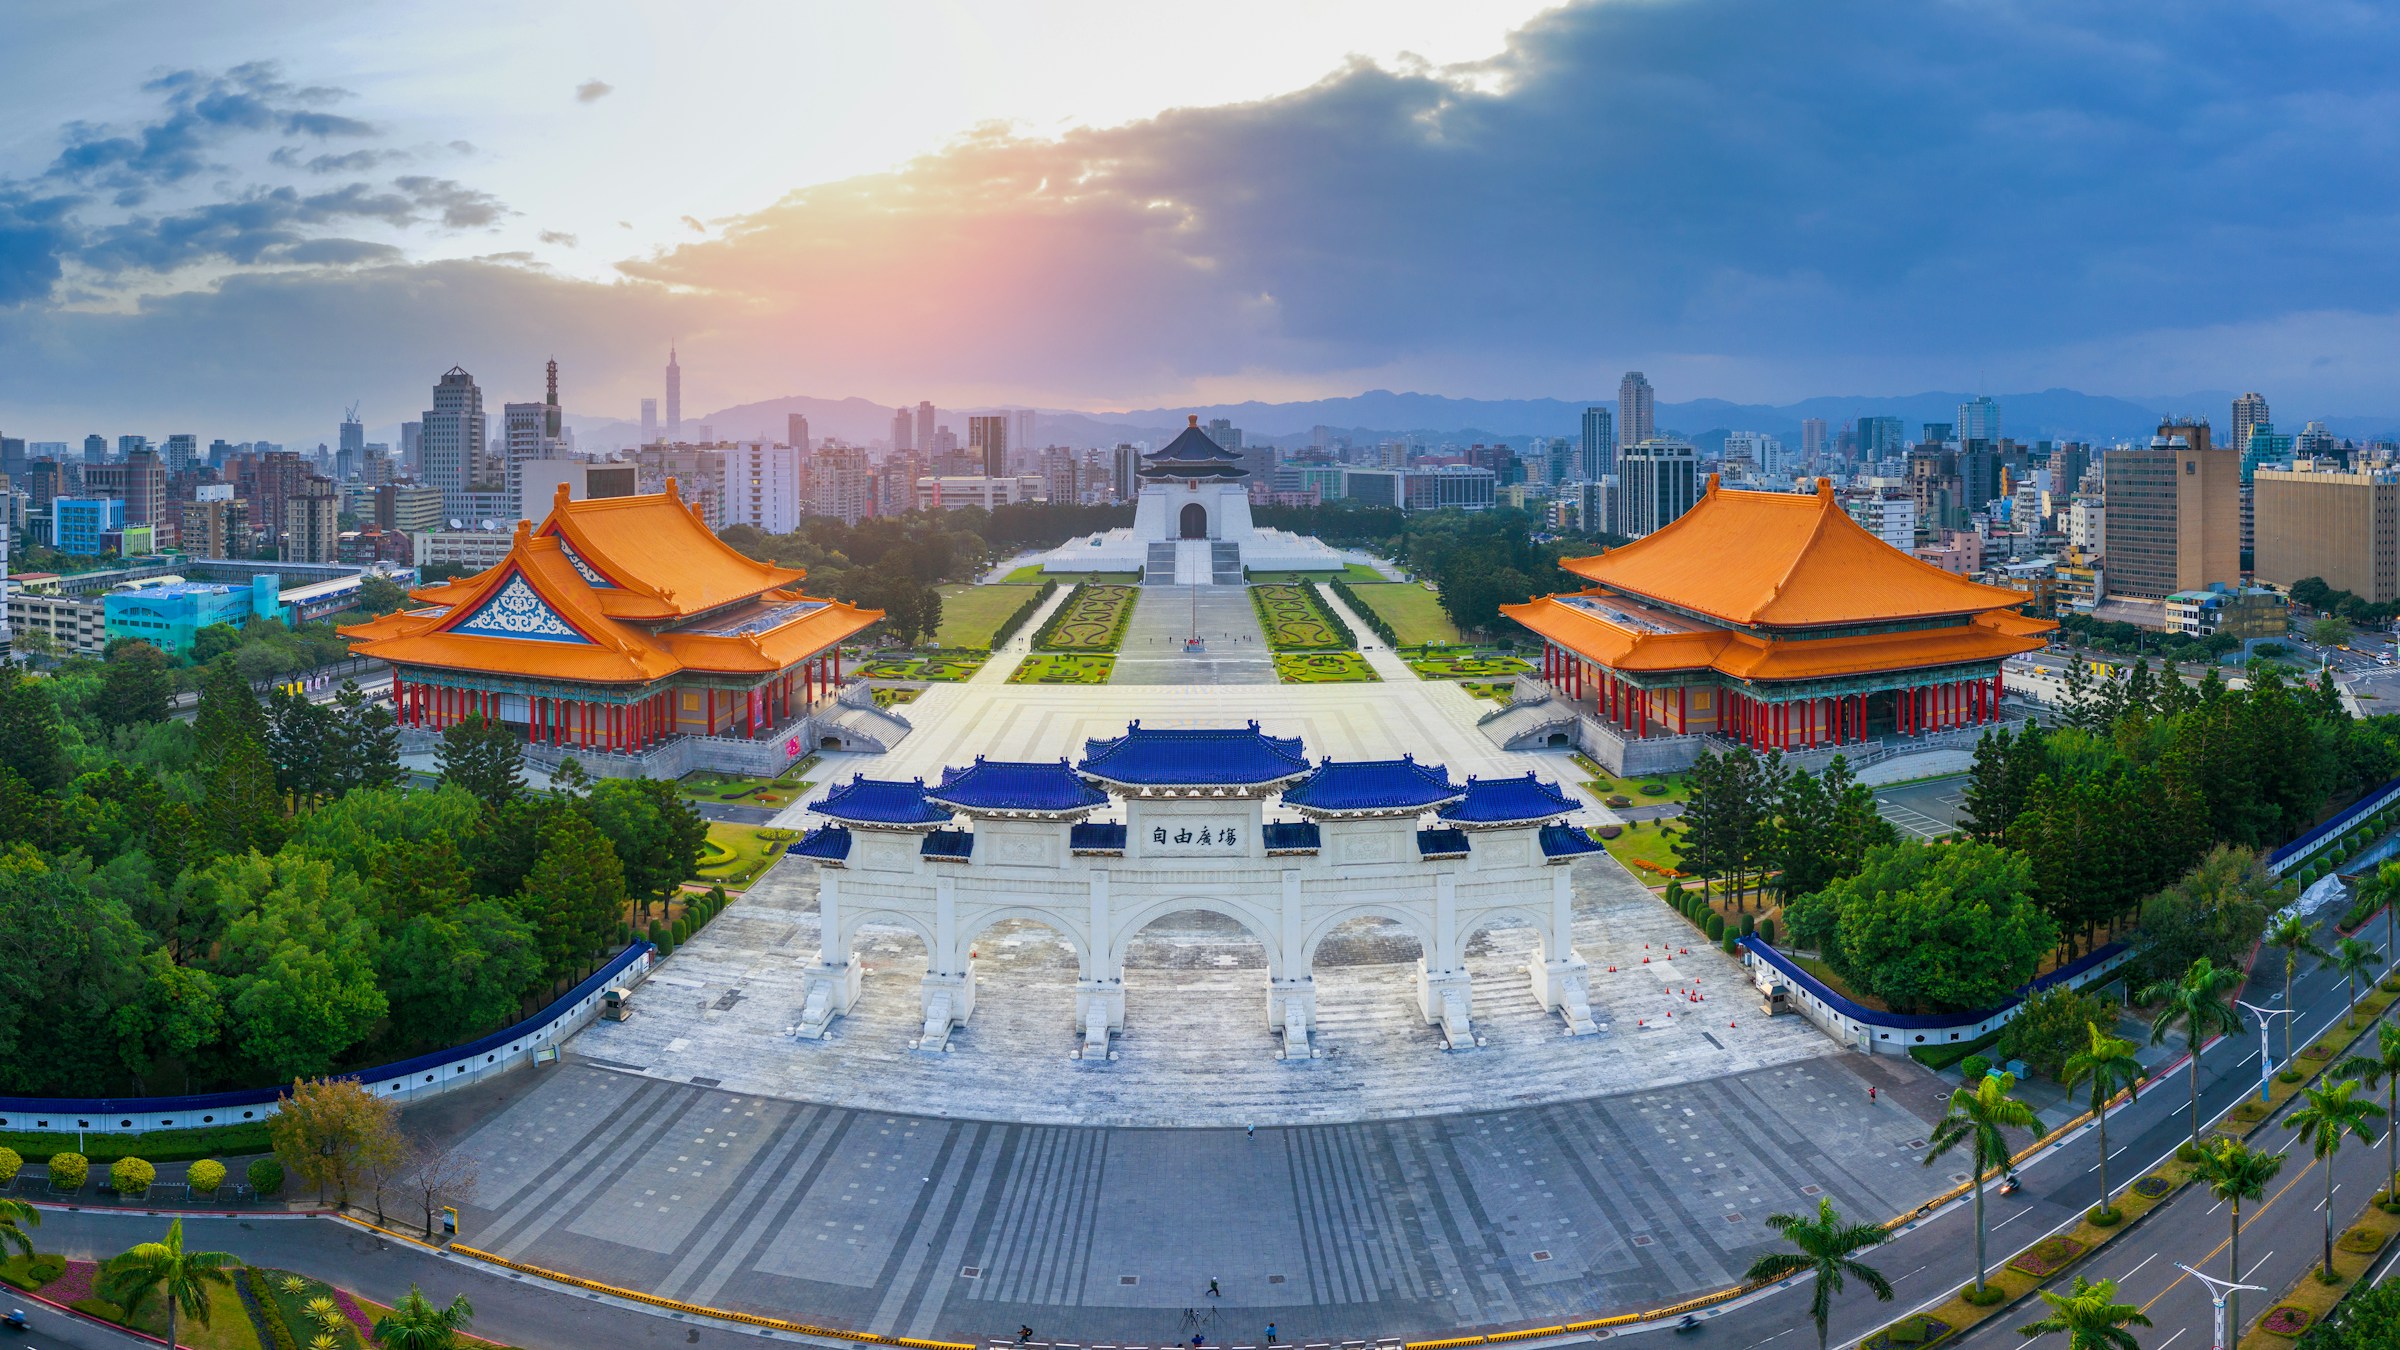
x: 260, y: 1301
x: 1375, y: 622
x: 130, y: 1176
x: 158, y: 1146
x: 1009, y: 626
x: 9, y: 1164
x: 206, y: 1176
x: 70, y: 1168
x: 265, y: 1176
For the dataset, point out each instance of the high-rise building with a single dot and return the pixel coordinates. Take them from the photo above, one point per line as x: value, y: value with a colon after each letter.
x: 1020, y: 429
x: 1599, y: 451
x: 795, y: 432
x: 1978, y: 420
x: 531, y: 432
x: 764, y: 487
x: 126, y: 445
x: 904, y: 434
x: 1812, y: 439
x: 1881, y: 438
x: 1124, y: 470
x: 987, y: 438
x: 2174, y: 514
x: 311, y: 523
x: 925, y: 429
x: 183, y: 448
x: 1059, y: 477
x: 1657, y: 481
x: 2342, y: 527
x: 1939, y: 433
x: 674, y: 396
x: 2249, y: 412
x: 215, y: 523
x: 1637, y: 411
x: 352, y: 447
x: 841, y: 485
x: 649, y: 421
x: 452, y: 435
x: 95, y: 449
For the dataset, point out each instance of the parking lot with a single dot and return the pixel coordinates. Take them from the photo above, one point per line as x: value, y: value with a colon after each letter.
x: 1926, y: 810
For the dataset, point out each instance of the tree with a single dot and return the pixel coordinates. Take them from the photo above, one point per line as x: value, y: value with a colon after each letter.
x: 1827, y: 1248
x: 453, y: 975
x: 2090, y: 1316
x: 2233, y: 1172
x: 1930, y: 927
x: 2331, y: 1113
x: 31, y: 745
x: 2051, y: 1027
x: 2369, y: 1319
x: 2295, y: 937
x: 2383, y: 889
x: 330, y: 1131
x: 575, y: 894
x: 2107, y: 1062
x: 242, y: 808
x: 228, y: 711
x: 2217, y: 910
x: 2330, y: 632
x: 165, y: 1270
x: 306, y: 743
x: 2382, y: 1069
x: 69, y: 960
x: 1974, y: 1121
x: 369, y: 747
x: 415, y: 1324
x: 483, y: 757
x: 15, y: 1217
x: 657, y: 834
x: 2352, y: 958
x: 2198, y: 1001
x: 135, y: 686
x: 439, y: 1172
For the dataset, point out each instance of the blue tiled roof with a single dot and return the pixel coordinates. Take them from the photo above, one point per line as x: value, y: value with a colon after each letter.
x: 1565, y: 841
x: 826, y: 843
x: 1372, y: 785
x: 954, y: 845
x: 1209, y: 757
x: 1096, y: 837
x: 876, y: 801
x: 1293, y: 836
x: 1007, y: 785
x: 1442, y: 843
x: 1501, y: 801
x: 1193, y: 446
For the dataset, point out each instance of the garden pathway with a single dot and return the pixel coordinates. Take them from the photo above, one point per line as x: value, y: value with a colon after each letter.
x: 1387, y: 663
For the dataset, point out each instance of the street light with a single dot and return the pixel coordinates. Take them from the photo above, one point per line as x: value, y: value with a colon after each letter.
x: 2217, y: 1290
x: 2265, y: 1054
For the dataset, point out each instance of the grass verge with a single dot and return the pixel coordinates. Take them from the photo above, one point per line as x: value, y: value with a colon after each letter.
x: 971, y: 614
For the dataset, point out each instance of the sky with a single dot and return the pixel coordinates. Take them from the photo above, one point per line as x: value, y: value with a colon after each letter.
x: 237, y: 219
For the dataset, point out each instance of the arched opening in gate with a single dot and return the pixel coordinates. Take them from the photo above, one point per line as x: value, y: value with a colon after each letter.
x: 1496, y: 951
x: 1196, y: 982
x: 893, y: 957
x: 1365, y: 968
x: 1195, y: 521
x: 1025, y: 974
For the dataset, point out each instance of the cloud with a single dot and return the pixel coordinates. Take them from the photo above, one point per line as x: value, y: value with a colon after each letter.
x: 694, y: 223
x: 349, y: 161
x: 592, y: 91
x: 462, y: 208
x: 198, y: 112
x: 560, y: 237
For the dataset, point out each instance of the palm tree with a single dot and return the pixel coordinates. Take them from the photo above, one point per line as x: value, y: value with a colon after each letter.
x: 1826, y: 1244
x: 164, y: 1268
x: 2233, y: 1172
x: 2110, y: 1064
x: 2332, y: 1111
x: 1976, y: 1117
x: 2382, y: 1069
x: 2089, y: 1316
x: 2297, y: 938
x: 2352, y: 958
x: 15, y: 1217
x: 2385, y: 887
x: 2198, y: 1000
x: 415, y: 1324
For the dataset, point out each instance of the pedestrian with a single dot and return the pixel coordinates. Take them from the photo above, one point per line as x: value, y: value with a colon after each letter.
x: 1870, y: 1095
x: 1213, y: 1291
x: 1250, y: 1131
x: 1270, y: 1333
x: 1024, y: 1334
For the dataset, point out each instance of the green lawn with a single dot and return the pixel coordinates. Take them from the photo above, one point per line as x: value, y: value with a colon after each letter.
x: 945, y: 667
x: 1293, y: 620
x: 1646, y: 845
x: 1091, y: 619
x: 1063, y: 668
x: 707, y: 785
x: 1323, y: 668
x: 1444, y: 662
x: 734, y: 855
x: 971, y: 614
x: 1604, y: 785
x: 1031, y: 574
x: 1414, y: 613
x: 1354, y: 573
x: 1495, y: 690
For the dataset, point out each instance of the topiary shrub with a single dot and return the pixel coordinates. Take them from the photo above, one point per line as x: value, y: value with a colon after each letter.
x: 680, y: 930
x: 1749, y: 925
x: 265, y: 1177
x: 10, y: 1163
x: 1766, y: 931
x: 1714, y: 927
x: 68, y: 1171
x: 131, y: 1176
x: 1733, y: 942
x: 1611, y: 831
x: 1974, y: 1067
x: 205, y: 1176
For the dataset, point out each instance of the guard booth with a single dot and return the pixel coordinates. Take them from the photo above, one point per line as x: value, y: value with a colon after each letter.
x: 1777, y: 999
x: 616, y: 1004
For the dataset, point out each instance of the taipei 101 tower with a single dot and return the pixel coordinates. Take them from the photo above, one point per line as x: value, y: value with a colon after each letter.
x: 674, y: 397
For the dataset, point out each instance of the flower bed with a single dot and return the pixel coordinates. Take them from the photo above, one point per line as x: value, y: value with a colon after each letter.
x: 2364, y: 1241
x: 2047, y: 1257
x: 2151, y: 1188
x: 1463, y: 663
x: 1909, y: 1331
x: 1294, y: 621
x: 1058, y: 668
x: 1323, y: 668
x: 1091, y: 619
x: 2286, y: 1320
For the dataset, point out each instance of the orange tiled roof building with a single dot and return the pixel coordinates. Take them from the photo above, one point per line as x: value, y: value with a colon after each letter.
x: 1775, y: 620
x: 618, y: 623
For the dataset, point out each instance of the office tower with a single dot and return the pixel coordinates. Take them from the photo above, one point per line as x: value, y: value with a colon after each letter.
x: 311, y: 522
x: 12, y: 457
x: 451, y: 438
x: 1124, y: 470
x: 2315, y: 442
x: 1939, y: 433
x: 95, y: 449
x: 2249, y: 411
x: 126, y: 445
x: 840, y: 484
x: 1020, y: 430
x: 649, y: 421
x: 1812, y: 439
x: 2343, y: 527
x: 1637, y: 412
x: 2174, y: 514
x: 1060, y: 482
x: 795, y: 432
x: 43, y: 485
x: 987, y: 438
x: 765, y: 488
x: 925, y: 429
x: 674, y: 396
x: 182, y: 449
x: 412, y: 447
x: 353, y: 446
x: 1979, y: 420
x: 1599, y: 457
x: 1658, y: 481
x: 531, y: 431
x: 145, y: 491
x: 1881, y: 438
x: 904, y: 437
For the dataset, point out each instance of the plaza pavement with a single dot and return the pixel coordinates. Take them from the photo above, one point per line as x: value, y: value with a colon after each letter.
x: 1163, y: 616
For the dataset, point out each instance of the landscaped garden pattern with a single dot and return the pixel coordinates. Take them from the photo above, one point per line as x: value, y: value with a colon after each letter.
x: 1092, y: 619
x: 708, y: 785
x: 1294, y: 621
x: 735, y: 855
x: 1063, y: 668
x: 939, y: 668
x: 1438, y: 661
x: 1323, y: 668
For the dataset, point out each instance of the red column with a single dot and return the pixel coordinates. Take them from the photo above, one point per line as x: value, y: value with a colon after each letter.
x: 712, y: 710
x: 1682, y: 707
x: 1783, y: 725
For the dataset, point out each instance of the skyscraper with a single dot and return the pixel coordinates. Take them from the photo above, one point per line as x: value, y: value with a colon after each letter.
x: 674, y: 396
x: 987, y: 436
x: 1812, y: 438
x: 1020, y: 429
x: 2174, y: 513
x: 1599, y: 451
x: 2250, y: 410
x: 1880, y: 438
x: 353, y: 447
x: 1637, y: 412
x: 533, y: 431
x: 182, y: 448
x: 452, y: 431
x: 925, y: 427
x: 795, y: 432
x: 95, y: 449
x: 904, y: 437
x: 1659, y: 481
x: 1979, y: 420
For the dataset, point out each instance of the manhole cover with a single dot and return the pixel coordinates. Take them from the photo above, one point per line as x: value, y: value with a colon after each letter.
x: 1541, y: 1256
x: 1129, y: 1279
x: 1812, y: 1190
x: 1733, y: 1218
x: 970, y: 1272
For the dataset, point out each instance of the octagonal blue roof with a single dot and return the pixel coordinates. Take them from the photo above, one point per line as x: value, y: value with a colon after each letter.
x: 1373, y: 785
x: 1204, y: 757
x: 1010, y: 785
x: 1507, y: 801
x: 877, y: 801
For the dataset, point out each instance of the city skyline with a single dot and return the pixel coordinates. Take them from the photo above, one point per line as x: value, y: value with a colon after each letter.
x: 214, y: 196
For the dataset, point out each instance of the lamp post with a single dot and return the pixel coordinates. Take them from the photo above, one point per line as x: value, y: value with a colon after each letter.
x: 2217, y: 1290
x: 2266, y: 1055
